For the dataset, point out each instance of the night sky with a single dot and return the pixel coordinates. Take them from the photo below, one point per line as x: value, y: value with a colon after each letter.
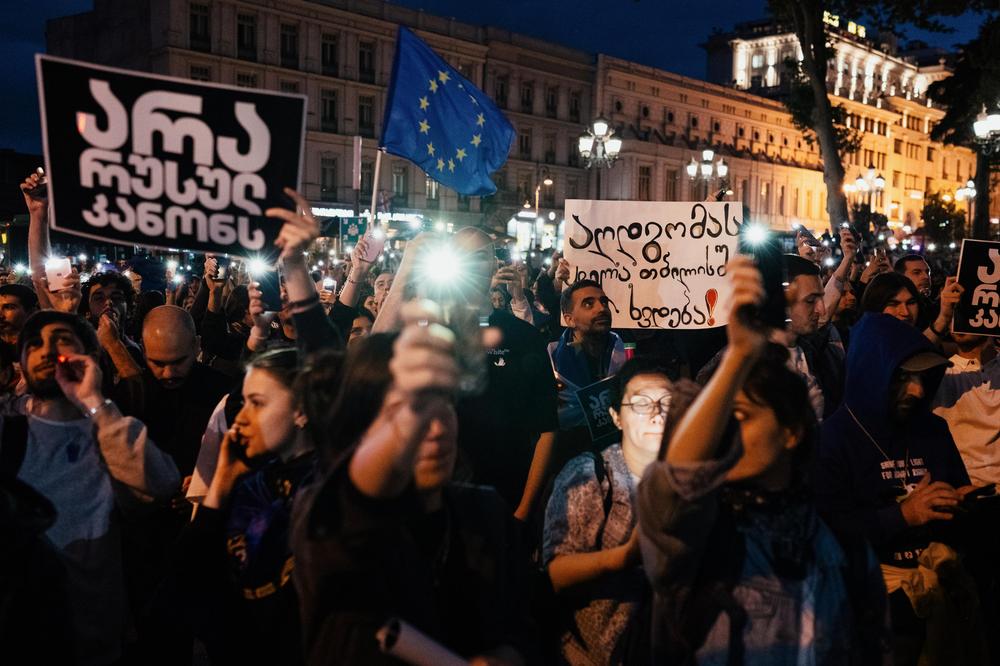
x: 662, y: 33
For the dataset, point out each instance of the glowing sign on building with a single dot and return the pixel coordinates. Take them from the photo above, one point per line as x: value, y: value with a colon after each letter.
x: 852, y: 27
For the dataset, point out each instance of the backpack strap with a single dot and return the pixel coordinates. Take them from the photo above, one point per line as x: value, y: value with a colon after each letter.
x: 601, y: 473
x: 13, y: 445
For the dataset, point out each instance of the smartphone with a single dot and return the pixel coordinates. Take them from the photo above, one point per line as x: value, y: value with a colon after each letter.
x: 222, y: 265
x: 269, y: 285
x: 57, y: 270
x: 985, y: 492
x: 770, y: 262
x: 808, y: 235
x: 503, y: 254
x: 375, y: 239
x: 329, y: 283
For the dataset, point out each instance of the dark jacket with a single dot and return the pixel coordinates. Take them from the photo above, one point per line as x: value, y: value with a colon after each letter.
x: 359, y: 561
x: 234, y: 567
x: 826, y: 361
x: 859, y: 481
x: 35, y: 621
x: 729, y: 568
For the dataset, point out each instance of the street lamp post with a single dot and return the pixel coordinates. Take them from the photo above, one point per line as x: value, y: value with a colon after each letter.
x: 599, y: 147
x: 987, y: 131
x: 707, y: 169
x: 968, y: 194
x: 871, y: 183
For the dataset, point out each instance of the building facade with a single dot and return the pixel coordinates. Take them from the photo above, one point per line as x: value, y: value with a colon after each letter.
x: 339, y: 54
x: 884, y: 94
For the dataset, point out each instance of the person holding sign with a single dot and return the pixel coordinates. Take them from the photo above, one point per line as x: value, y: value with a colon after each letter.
x: 742, y: 566
x: 588, y: 350
x: 591, y: 541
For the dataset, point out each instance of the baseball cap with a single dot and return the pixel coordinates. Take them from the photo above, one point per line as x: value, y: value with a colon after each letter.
x: 924, y: 360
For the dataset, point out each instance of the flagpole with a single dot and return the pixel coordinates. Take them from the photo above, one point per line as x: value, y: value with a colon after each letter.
x: 373, y: 217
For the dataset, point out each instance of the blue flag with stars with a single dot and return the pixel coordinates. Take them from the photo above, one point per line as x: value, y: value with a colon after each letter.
x: 439, y: 120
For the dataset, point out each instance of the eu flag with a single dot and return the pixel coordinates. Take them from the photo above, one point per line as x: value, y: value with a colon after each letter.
x: 439, y: 120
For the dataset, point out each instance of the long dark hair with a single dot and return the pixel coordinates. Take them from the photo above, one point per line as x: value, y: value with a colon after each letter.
x: 314, y: 382
x: 884, y: 287
x: 365, y: 381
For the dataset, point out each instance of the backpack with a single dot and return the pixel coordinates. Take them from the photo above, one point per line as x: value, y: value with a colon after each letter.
x: 554, y: 618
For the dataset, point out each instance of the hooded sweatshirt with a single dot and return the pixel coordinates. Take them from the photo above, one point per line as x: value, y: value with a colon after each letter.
x: 867, y: 463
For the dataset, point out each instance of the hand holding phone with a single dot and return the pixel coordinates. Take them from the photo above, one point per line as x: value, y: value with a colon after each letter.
x: 269, y: 285
x: 57, y: 270
x: 38, y: 185
x: 374, y: 243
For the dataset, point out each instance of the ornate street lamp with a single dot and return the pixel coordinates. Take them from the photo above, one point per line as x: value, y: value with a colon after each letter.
x: 871, y: 182
x: 707, y: 169
x: 599, y: 147
x: 987, y: 131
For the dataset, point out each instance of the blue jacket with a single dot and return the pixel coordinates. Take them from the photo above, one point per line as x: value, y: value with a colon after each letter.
x: 573, y: 372
x: 859, y: 486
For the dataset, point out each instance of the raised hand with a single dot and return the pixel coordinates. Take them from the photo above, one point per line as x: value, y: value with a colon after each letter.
x: 745, y: 336
x: 79, y: 377
x: 848, y: 245
x: 35, y: 195
x: 300, y: 228
x: 951, y: 294
x: 423, y: 357
x: 68, y: 298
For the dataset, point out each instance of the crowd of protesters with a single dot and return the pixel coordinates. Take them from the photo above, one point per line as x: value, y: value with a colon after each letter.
x: 188, y: 477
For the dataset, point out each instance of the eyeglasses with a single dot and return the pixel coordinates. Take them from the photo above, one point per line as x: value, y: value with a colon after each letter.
x: 645, y: 406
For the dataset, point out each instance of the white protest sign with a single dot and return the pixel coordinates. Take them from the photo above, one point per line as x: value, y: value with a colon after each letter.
x: 661, y: 263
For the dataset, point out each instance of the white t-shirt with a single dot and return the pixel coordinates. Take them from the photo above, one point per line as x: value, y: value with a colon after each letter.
x: 969, y: 400
x: 208, y: 454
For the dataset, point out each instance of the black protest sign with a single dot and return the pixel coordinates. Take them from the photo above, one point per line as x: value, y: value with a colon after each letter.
x: 595, y: 400
x: 978, y: 310
x: 140, y: 159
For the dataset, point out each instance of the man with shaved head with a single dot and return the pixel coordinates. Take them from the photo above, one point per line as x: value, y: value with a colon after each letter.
x: 175, y: 396
x: 175, y: 392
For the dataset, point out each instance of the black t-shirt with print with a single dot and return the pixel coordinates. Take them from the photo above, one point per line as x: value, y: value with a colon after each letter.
x: 498, y: 429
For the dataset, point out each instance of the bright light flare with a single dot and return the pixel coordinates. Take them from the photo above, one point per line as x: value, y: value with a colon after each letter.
x: 442, y: 265
x: 755, y: 234
x: 257, y: 266
x: 172, y: 265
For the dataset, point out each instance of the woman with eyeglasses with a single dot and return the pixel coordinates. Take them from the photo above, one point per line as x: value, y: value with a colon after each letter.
x: 590, y: 545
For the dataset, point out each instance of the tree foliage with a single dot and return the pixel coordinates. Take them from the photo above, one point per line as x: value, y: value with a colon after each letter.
x: 974, y: 84
x: 944, y: 221
x: 806, y: 19
x: 801, y: 104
